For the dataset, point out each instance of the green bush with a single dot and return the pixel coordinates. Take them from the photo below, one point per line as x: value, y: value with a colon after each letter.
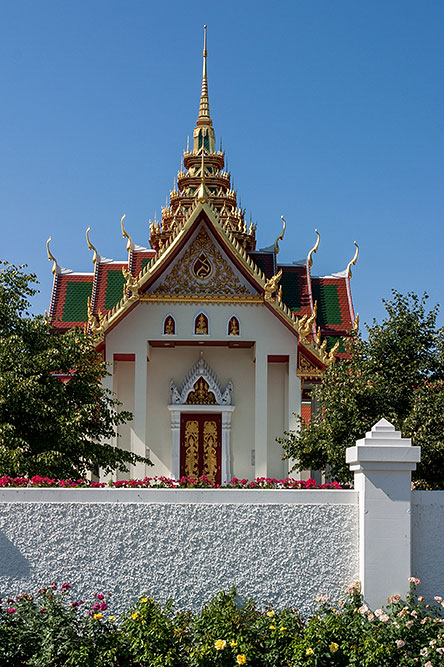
x: 50, y: 628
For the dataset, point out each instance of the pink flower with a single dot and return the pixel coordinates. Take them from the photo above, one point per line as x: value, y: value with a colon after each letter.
x: 100, y: 596
x: 11, y: 610
x: 400, y: 643
x: 103, y: 606
x: 97, y: 606
x: 414, y: 580
x: 66, y: 586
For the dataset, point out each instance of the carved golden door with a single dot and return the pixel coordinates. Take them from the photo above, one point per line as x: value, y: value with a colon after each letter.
x: 200, y: 446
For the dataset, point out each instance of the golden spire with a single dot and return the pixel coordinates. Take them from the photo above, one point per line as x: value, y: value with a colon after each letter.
x: 201, y: 192
x: 51, y: 257
x: 203, y: 135
x: 353, y: 261
x: 204, y: 107
x: 91, y: 247
x: 314, y: 249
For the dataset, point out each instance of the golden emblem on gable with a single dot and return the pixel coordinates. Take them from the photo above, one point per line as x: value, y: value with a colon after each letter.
x: 190, y: 276
x: 202, y: 268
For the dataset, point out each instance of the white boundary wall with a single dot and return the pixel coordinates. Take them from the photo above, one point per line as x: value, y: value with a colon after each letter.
x: 282, y: 547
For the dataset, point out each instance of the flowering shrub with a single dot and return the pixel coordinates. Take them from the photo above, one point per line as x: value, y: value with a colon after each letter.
x: 52, y: 627
x: 168, y: 483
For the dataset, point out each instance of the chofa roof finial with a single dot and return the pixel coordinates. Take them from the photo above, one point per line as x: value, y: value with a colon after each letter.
x: 280, y: 237
x: 353, y: 261
x: 91, y: 247
x: 51, y: 257
x: 313, y: 250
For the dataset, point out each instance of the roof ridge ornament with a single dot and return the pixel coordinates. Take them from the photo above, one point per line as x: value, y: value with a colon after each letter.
x: 91, y: 247
x: 280, y: 237
x: 125, y: 234
x: 353, y: 261
x: 51, y: 258
x: 314, y: 249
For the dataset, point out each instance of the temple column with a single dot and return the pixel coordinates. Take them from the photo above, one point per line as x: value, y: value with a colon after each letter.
x: 138, y: 431
x: 108, y: 382
x: 294, y: 403
x: 261, y: 412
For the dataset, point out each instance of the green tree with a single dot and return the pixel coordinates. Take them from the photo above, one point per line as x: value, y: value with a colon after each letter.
x: 397, y: 373
x: 49, y: 427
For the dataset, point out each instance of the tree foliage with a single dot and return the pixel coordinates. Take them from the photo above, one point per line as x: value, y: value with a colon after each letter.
x: 47, y: 426
x: 397, y: 373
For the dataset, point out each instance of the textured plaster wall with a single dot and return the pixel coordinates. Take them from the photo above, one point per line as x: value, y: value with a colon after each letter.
x: 280, y: 553
x: 428, y: 541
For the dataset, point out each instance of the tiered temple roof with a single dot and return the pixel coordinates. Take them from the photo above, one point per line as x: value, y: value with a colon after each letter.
x: 319, y: 309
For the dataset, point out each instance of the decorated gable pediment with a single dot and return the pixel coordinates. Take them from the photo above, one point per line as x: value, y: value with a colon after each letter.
x: 201, y: 386
x: 202, y: 272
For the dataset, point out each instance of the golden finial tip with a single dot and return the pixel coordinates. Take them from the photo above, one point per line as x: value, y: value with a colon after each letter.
x: 51, y: 257
x: 314, y: 249
x: 353, y: 261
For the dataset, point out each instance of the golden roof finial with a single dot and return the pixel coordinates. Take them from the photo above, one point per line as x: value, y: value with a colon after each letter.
x: 353, y: 261
x: 280, y: 237
x: 125, y: 234
x: 91, y: 247
x: 314, y: 249
x: 201, y: 192
x: 204, y: 107
x: 356, y: 323
x: 51, y: 257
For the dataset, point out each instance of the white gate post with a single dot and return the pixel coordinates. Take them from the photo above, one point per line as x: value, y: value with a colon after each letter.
x: 382, y: 463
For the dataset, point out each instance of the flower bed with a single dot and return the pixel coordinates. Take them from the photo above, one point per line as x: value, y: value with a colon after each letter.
x: 166, y: 483
x: 50, y: 627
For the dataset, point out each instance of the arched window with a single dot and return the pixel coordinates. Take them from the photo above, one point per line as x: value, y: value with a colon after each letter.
x: 169, y: 325
x: 201, y: 327
x: 233, y: 326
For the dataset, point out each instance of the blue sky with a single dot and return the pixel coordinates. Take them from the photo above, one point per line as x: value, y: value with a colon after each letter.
x: 331, y: 114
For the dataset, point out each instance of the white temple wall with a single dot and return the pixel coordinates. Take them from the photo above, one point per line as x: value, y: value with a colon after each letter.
x: 153, y: 429
x: 277, y: 417
x: 123, y: 386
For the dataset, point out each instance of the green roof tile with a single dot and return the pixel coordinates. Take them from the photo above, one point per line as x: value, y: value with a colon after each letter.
x: 114, y: 288
x: 329, y: 310
x: 75, y: 308
x: 332, y: 340
x: 291, y: 290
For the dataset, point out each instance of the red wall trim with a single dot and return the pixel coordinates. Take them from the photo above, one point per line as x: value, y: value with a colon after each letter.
x: 278, y: 358
x: 124, y: 357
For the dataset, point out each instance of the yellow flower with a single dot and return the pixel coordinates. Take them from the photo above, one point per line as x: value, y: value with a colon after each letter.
x: 241, y: 659
x: 272, y: 627
x: 98, y: 616
x: 309, y: 651
x: 333, y: 647
x: 270, y: 613
x: 144, y: 599
x: 233, y: 643
x: 220, y: 644
x: 112, y: 618
x: 135, y: 615
x: 282, y: 628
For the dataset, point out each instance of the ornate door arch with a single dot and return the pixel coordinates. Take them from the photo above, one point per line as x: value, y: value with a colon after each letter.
x: 201, y: 424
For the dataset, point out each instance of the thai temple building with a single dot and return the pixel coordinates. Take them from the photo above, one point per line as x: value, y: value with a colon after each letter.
x: 212, y: 343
